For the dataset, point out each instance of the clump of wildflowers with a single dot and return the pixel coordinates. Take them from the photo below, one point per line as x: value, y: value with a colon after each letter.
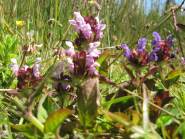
x: 161, y: 48
x: 138, y: 56
x: 27, y: 77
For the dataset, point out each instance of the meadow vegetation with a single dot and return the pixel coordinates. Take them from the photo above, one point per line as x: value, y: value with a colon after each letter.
x: 92, y: 69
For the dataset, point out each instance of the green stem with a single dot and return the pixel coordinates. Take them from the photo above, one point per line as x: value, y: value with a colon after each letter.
x: 35, y: 121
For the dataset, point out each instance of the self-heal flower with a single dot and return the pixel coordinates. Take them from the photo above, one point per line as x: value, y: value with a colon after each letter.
x: 89, y: 28
x: 127, y: 51
x: 153, y: 56
x: 92, y: 71
x: 14, y: 66
x: 161, y: 48
x: 27, y: 77
x: 93, y: 51
x: 70, y: 51
x: 137, y: 57
x: 81, y: 26
x: 89, y: 61
x: 91, y: 65
x: 141, y: 44
x: 99, y: 29
x: 157, y: 38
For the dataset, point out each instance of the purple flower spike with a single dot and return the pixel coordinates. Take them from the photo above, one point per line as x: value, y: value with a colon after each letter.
x: 127, y: 50
x: 157, y: 38
x: 81, y: 26
x: 141, y: 44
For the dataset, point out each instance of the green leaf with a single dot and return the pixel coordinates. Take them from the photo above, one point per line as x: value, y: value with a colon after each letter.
x: 124, y: 99
x: 42, y: 114
x: 88, y: 99
x: 173, y: 74
x: 181, y: 130
x: 115, y: 117
x: 172, y: 78
x: 164, y: 120
x: 23, y: 127
x: 103, y: 57
x: 55, y: 119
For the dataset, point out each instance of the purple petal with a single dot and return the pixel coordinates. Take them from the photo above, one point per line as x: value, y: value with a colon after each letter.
x: 89, y: 61
x: 92, y: 69
x: 71, y: 51
x: 127, y: 52
x: 93, y: 51
x: 81, y: 26
x: 14, y: 66
x: 153, y: 56
x: 141, y: 44
x: 157, y: 38
x: 99, y: 29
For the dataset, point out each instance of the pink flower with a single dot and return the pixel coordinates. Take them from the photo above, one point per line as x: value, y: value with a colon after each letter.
x: 71, y: 51
x: 99, y: 29
x: 92, y: 69
x: 89, y: 61
x: 91, y: 66
x: 14, y: 66
x: 81, y: 26
x: 93, y: 51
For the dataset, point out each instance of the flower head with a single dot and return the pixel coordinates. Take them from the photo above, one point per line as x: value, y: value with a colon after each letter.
x: 162, y: 48
x: 81, y: 26
x: 137, y: 56
x: 27, y: 76
x: 89, y: 28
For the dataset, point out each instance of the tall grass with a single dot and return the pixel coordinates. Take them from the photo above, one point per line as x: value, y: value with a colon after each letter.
x: 126, y: 20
